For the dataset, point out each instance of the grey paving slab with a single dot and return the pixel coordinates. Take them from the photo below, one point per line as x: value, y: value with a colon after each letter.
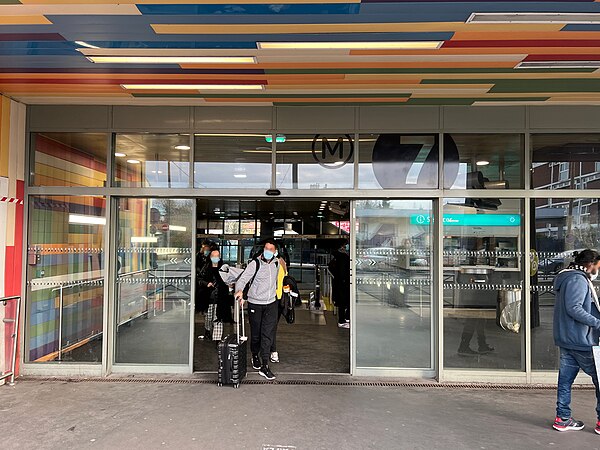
x: 66, y: 415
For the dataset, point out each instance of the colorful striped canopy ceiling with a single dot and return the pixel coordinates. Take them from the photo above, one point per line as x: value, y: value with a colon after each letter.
x: 432, y: 52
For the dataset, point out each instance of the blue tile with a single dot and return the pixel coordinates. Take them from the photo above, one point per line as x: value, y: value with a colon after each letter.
x: 233, y: 9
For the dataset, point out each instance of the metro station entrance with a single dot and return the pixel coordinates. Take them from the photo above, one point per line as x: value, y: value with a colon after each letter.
x: 308, y: 234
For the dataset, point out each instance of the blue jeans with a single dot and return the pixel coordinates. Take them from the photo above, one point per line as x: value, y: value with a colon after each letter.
x: 570, y: 363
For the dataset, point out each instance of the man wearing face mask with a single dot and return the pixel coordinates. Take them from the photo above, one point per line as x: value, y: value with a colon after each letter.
x: 202, y: 258
x: 576, y: 330
x: 261, y: 273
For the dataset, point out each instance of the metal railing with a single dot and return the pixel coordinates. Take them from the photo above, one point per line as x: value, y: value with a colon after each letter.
x: 60, y: 289
x: 14, y: 336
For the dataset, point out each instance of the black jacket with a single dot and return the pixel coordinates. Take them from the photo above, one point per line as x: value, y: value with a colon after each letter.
x: 340, y: 269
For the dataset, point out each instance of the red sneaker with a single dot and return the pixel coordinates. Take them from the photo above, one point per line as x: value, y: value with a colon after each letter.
x: 570, y: 424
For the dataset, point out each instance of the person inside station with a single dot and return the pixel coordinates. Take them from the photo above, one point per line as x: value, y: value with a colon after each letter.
x: 339, y: 267
x: 202, y: 257
x: 281, y: 274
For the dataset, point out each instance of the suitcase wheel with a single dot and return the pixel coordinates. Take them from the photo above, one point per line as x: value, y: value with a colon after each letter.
x: 236, y: 386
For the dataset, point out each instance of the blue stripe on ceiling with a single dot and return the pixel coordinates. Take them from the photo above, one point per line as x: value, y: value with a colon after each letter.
x: 233, y: 9
x: 75, y: 62
x: 38, y: 51
x: 25, y: 45
x: 582, y: 27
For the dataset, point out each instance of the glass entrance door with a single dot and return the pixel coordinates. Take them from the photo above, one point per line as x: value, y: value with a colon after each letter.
x: 394, y: 284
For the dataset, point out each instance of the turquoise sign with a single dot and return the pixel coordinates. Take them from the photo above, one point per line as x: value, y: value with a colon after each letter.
x: 471, y: 220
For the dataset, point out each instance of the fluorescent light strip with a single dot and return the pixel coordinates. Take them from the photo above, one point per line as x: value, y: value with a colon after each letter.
x: 177, y: 228
x: 143, y: 239
x: 85, y: 44
x: 86, y: 220
x: 558, y: 65
x: 173, y: 59
x: 532, y: 17
x: 399, y: 45
x: 194, y: 87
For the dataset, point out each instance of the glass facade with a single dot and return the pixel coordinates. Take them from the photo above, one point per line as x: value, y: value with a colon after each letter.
x: 453, y: 265
x: 317, y: 161
x: 65, y: 278
x: 393, y: 284
x: 152, y: 160
x: 153, y: 281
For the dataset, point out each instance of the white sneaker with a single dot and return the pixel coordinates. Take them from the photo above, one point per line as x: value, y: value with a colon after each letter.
x: 344, y: 325
x: 274, y: 357
x: 347, y: 320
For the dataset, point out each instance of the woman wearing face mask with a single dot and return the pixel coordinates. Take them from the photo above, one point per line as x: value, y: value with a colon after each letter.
x: 201, y: 299
x: 219, y: 309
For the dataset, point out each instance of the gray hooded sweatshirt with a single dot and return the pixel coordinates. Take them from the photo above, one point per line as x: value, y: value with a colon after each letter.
x: 264, y: 287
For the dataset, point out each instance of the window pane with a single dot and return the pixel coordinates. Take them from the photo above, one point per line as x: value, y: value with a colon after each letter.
x: 483, y: 279
x: 69, y: 159
x: 561, y: 226
x: 152, y: 160
x: 65, y: 270
x: 315, y: 161
x: 153, y: 284
x: 565, y: 161
x: 483, y: 161
x: 225, y: 161
x: 398, y: 161
x: 393, y: 284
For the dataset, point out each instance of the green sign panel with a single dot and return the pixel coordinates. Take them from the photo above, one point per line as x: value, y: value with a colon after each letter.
x: 471, y: 220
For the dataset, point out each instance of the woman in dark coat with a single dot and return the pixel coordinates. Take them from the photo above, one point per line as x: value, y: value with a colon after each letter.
x: 219, y: 298
x: 339, y: 267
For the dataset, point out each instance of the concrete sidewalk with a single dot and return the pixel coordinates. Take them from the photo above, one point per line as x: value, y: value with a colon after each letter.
x: 113, y: 415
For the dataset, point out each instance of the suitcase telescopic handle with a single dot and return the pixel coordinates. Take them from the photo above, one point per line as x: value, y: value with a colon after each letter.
x: 237, y: 320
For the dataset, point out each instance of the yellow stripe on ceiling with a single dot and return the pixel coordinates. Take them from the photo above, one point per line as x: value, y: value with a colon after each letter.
x: 23, y: 20
x: 331, y: 28
x: 311, y: 100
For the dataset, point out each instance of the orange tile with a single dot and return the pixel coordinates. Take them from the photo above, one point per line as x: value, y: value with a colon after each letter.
x: 24, y: 20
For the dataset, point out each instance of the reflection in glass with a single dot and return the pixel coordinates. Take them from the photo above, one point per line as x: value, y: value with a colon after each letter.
x: 483, y: 161
x: 483, y: 282
x: 237, y: 160
x: 65, y: 270
x: 393, y: 283
x: 318, y: 161
x: 561, y: 226
x: 153, y: 284
x: 152, y: 160
x: 69, y: 159
x: 398, y: 161
x: 565, y: 161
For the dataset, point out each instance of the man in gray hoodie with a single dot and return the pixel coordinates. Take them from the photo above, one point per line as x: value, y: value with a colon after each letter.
x: 576, y: 330
x: 262, y: 305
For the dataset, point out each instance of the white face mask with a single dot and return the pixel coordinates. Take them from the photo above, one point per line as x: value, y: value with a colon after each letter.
x: 593, y: 276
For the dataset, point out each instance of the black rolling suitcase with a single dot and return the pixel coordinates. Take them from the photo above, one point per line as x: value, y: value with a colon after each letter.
x: 233, y: 351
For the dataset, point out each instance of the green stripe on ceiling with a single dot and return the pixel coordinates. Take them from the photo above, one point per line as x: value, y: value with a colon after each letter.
x: 276, y: 95
x: 529, y: 86
x: 419, y: 71
x: 338, y: 103
x: 470, y: 101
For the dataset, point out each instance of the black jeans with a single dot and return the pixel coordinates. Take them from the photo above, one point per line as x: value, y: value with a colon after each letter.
x: 343, y: 313
x: 263, y: 324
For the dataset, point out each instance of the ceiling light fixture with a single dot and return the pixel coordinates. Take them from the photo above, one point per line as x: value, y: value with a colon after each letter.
x: 143, y: 239
x: 194, y: 87
x: 182, y: 147
x: 172, y: 59
x: 85, y: 44
x: 397, y: 45
x: 81, y: 219
x: 177, y: 228
x: 239, y: 175
x: 120, y: 155
x: 534, y: 17
x: 133, y: 161
x: 482, y: 163
x: 558, y: 65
